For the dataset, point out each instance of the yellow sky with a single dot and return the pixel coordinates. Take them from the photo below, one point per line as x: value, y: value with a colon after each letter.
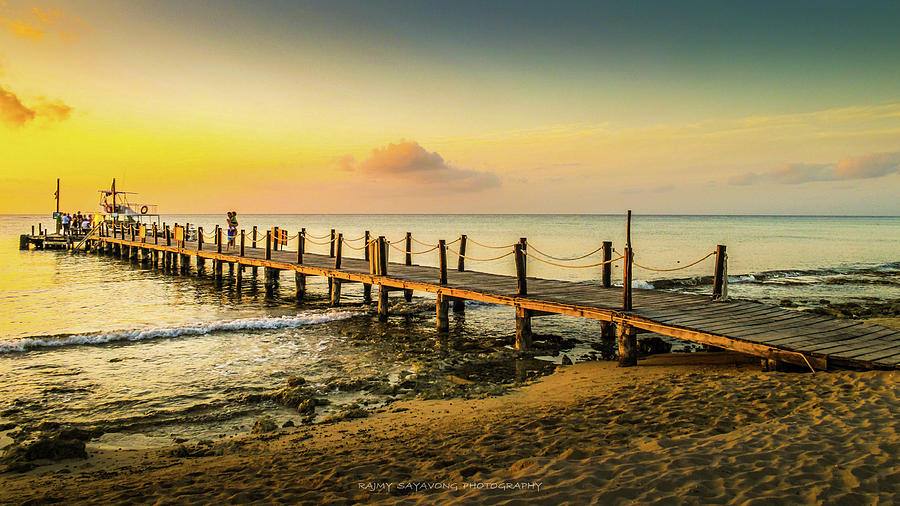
x: 240, y: 113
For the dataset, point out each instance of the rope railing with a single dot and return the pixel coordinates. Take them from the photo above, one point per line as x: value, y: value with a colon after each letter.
x: 480, y: 259
x: 360, y: 248
x: 402, y: 250
x: 563, y: 259
x: 611, y: 260
x: 360, y: 238
x: 310, y: 236
x: 711, y: 253
x: 329, y: 241
x: 473, y: 241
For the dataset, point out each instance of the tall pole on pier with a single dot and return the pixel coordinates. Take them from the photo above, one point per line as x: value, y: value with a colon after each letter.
x: 626, y: 274
x: 57, y: 195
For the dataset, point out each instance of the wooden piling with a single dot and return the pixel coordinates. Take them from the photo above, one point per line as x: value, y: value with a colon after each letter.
x: 442, y: 258
x: 331, y: 249
x: 336, y: 283
x: 520, y: 270
x: 626, y: 266
x: 243, y: 236
x: 461, y: 262
x: 381, y: 270
x: 523, y: 328
x: 254, y: 237
x: 408, y: 258
x: 268, y: 247
x: 301, y: 245
x: 719, y: 278
x: 367, y: 288
x: 627, y: 337
x: 607, y: 266
x: 300, y: 285
x: 442, y: 306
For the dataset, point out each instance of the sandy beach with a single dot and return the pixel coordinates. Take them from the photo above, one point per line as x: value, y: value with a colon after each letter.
x: 681, y: 428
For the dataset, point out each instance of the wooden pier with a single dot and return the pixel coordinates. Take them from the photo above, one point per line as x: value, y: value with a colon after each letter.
x: 778, y: 336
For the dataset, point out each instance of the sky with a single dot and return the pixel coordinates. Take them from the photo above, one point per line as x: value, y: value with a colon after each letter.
x: 688, y: 107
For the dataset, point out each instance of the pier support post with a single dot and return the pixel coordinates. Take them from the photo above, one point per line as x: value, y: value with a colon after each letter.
x: 382, y: 303
x: 442, y: 306
x: 627, y: 345
x: 336, y: 292
x: 231, y: 269
x: 238, y: 278
x: 300, y: 282
x: 523, y: 328
x: 367, y: 288
x: 607, y: 266
x: 217, y: 267
x: 271, y: 281
x: 719, y: 277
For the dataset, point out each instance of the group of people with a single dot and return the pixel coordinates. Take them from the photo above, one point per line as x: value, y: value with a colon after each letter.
x: 232, y: 223
x: 73, y: 224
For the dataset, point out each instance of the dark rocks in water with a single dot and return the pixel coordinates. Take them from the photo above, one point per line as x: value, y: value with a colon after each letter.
x: 786, y: 303
x: 566, y: 360
x: 263, y: 425
x: 307, y: 406
x: 886, y: 309
x: 296, y: 381
x: 53, y: 445
x: 7, y: 426
x: 292, y: 397
x: 653, y: 346
x: 287, y: 424
x: 253, y: 398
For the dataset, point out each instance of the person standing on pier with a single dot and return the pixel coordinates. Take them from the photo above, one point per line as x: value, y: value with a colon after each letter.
x: 66, y: 220
x: 232, y: 223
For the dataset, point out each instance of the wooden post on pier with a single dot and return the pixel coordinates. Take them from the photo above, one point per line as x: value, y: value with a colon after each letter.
x: 243, y: 236
x: 336, y: 283
x: 607, y: 265
x: 271, y: 280
x: 254, y: 269
x: 627, y: 345
x: 381, y: 270
x: 442, y: 259
x: 275, y: 236
x: 301, y: 245
x: 719, y: 278
x: 199, y: 238
x: 367, y: 288
x: 442, y: 306
x: 218, y: 239
x: 459, y: 305
x: 626, y: 268
x: 238, y: 278
x: 268, y: 248
x: 408, y: 257
x: 331, y: 249
x: 520, y: 270
x: 523, y: 328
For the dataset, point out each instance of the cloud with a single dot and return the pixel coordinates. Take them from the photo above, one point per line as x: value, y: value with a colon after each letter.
x: 35, y: 23
x: 13, y: 112
x: 409, y: 162
x: 861, y: 167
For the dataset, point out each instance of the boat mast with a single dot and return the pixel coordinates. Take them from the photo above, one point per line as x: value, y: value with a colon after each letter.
x: 57, y: 195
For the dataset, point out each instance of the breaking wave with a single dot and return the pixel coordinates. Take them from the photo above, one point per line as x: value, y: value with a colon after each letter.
x: 264, y: 323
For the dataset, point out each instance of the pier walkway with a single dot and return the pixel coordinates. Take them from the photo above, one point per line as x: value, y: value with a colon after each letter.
x: 775, y: 334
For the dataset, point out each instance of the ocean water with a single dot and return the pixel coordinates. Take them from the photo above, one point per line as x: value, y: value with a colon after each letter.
x: 152, y: 357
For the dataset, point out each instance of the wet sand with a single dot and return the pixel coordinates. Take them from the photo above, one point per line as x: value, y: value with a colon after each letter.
x: 685, y: 428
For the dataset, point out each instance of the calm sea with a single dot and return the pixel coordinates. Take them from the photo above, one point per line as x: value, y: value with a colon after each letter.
x: 150, y: 356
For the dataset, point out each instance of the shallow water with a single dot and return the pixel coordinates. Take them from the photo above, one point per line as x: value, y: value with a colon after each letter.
x: 154, y: 357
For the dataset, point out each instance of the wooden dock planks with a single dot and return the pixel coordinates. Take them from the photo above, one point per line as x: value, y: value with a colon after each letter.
x: 748, y: 327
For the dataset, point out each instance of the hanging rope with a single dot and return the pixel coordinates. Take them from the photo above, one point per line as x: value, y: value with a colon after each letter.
x: 320, y: 243
x: 398, y: 248
x: 532, y: 248
x: 360, y: 238
x: 358, y: 248
x: 611, y: 260
x: 473, y: 241
x: 326, y: 236
x: 711, y: 253
x: 481, y: 259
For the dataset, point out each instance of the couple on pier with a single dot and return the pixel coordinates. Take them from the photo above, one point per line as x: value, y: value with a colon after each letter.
x: 232, y: 223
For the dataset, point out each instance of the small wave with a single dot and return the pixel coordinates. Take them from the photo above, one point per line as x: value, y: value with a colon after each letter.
x: 264, y: 323
x: 641, y: 284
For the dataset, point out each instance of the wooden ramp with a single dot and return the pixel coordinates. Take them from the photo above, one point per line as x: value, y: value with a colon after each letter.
x: 773, y: 333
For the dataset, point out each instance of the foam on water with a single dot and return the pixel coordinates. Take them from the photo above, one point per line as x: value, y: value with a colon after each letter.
x: 262, y: 323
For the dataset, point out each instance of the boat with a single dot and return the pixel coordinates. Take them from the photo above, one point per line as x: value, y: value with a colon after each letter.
x: 116, y: 207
